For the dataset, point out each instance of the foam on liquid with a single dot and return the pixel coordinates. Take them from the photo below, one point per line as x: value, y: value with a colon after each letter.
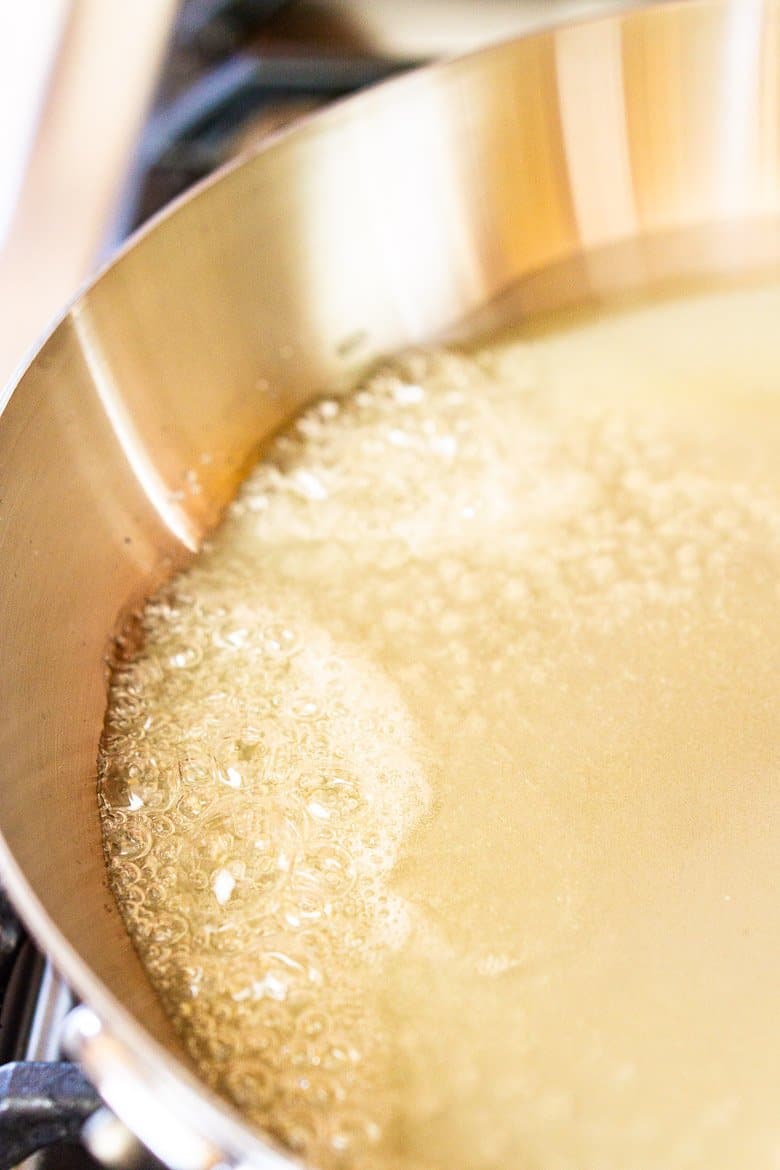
x: 442, y: 801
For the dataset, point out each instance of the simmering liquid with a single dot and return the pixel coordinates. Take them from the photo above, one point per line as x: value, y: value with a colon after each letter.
x: 442, y: 799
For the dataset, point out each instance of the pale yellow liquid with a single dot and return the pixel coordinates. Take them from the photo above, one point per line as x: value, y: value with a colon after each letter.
x: 442, y: 802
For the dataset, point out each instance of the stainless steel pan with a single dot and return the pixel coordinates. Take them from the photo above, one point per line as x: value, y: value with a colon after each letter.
x: 626, y: 150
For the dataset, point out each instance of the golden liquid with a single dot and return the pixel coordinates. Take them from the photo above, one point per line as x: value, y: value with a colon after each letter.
x: 442, y: 802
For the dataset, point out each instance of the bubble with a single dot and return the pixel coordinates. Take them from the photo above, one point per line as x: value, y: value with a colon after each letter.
x: 278, y: 641
x: 352, y: 1132
x: 192, y: 770
x: 193, y: 805
x: 297, y: 1128
x: 313, y: 1024
x: 185, y: 657
x: 134, y: 842
x: 250, y: 1084
x: 169, y: 928
x: 328, y: 868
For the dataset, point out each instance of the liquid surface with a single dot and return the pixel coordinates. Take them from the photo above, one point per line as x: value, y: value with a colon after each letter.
x: 442, y: 801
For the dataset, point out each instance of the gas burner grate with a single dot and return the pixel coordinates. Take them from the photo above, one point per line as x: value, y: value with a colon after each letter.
x: 226, y: 74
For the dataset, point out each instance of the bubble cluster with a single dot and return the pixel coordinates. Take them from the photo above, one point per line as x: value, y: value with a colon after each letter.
x: 255, y: 785
x: 358, y: 782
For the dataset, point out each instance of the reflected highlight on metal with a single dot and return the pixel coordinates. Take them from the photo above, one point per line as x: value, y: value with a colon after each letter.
x: 133, y: 448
